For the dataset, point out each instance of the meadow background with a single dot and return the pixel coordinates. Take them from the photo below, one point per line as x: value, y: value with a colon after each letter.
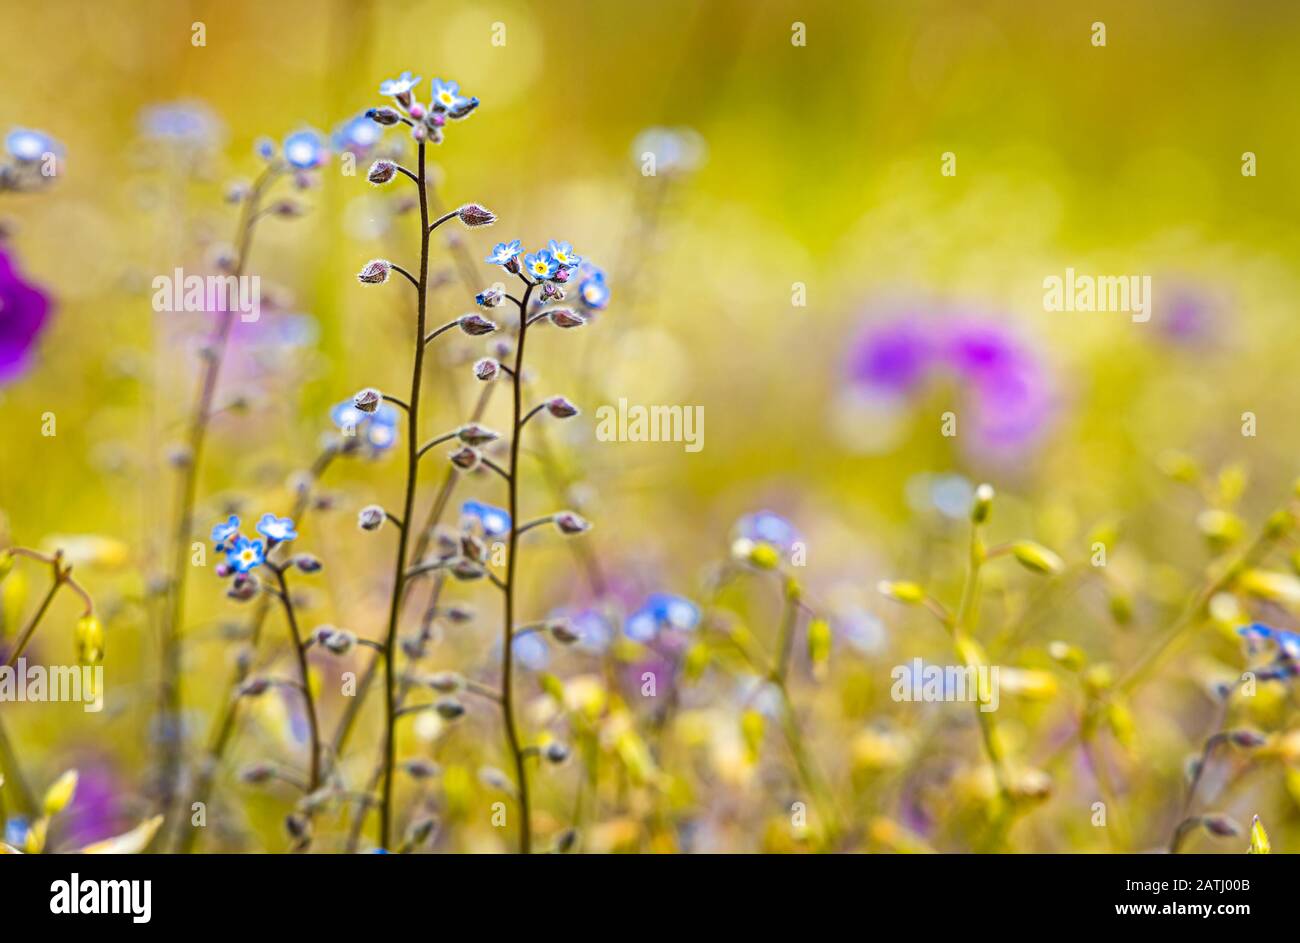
x: 815, y: 165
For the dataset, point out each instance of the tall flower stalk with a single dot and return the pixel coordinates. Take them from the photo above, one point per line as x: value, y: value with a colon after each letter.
x: 426, y: 123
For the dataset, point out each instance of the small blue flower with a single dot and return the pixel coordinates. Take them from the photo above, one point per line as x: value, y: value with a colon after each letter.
x: 768, y: 528
x: 564, y: 255
x: 276, y: 529
x: 16, y: 830
x: 494, y: 521
x: 592, y: 289
x: 182, y: 122
x: 662, y: 611
x: 29, y: 146
x: 531, y: 651
x: 305, y: 149
x: 399, y: 86
x: 504, y: 252
x: 222, y: 534
x: 541, y: 265
x: 446, y: 95
x: 265, y: 148
x: 358, y: 135
x: 245, y: 554
x: 1288, y: 643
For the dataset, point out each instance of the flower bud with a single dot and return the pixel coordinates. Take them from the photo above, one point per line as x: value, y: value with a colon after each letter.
x: 570, y: 523
x: 476, y: 325
x: 255, y: 773
x: 467, y: 570
x: 297, y: 825
x: 1036, y: 557
x: 902, y: 591
x: 459, y: 614
x: 382, y: 171
x: 1247, y: 739
x: 563, y: 317
x: 556, y: 752
x: 979, y: 512
x: 90, y: 640
x: 486, y: 369
x: 466, y: 458
x: 376, y: 272
x: 307, y: 563
x: 385, y: 116
x: 1221, y: 825
x: 463, y: 109
x: 449, y: 708
x: 367, y: 400
x: 490, y: 297
x: 471, y: 214
x: 474, y: 434
x: 445, y: 682
x: 561, y: 408
x: 254, y: 687
x: 243, y: 588
x: 562, y: 631
x: 340, y: 641
x: 371, y: 517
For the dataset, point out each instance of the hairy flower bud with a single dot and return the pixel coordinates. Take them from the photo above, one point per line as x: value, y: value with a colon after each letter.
x: 571, y: 523
x: 449, y: 708
x: 474, y: 434
x: 376, y: 272
x: 471, y: 214
x: 490, y: 297
x: 466, y: 458
x: 385, y: 116
x: 562, y: 631
x: 367, y: 400
x: 371, y: 517
x: 382, y: 171
x: 561, y: 408
x: 307, y: 563
x: 243, y: 588
x: 486, y: 369
x: 563, y: 317
x: 475, y: 325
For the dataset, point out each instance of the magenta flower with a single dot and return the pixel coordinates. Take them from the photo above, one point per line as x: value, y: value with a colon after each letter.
x: 24, y: 309
x: 1005, y: 386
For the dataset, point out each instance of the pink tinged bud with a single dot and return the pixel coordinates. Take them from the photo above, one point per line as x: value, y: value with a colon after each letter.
x: 561, y: 276
x: 563, y: 632
x: 416, y: 111
x: 1247, y: 739
x: 243, y: 588
x: 371, y: 517
x: 288, y: 209
x: 471, y: 214
x: 466, y: 458
x: 375, y: 273
x: 419, y: 133
x: 368, y: 400
x: 444, y: 682
x: 223, y: 570
x: 563, y: 317
x: 570, y: 523
x: 1221, y: 826
x: 382, y: 171
x: 561, y: 408
x: 474, y: 434
x: 487, y: 369
x: 476, y: 325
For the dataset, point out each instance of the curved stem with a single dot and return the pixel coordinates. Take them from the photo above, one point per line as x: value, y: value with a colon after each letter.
x: 401, y: 271
x: 412, y: 474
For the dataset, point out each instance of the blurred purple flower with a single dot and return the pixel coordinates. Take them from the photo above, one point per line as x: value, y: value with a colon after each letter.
x: 24, y: 309
x: 1188, y: 319
x: 1009, y: 390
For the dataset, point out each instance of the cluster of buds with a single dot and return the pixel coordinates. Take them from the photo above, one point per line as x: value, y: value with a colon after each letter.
x: 427, y: 121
